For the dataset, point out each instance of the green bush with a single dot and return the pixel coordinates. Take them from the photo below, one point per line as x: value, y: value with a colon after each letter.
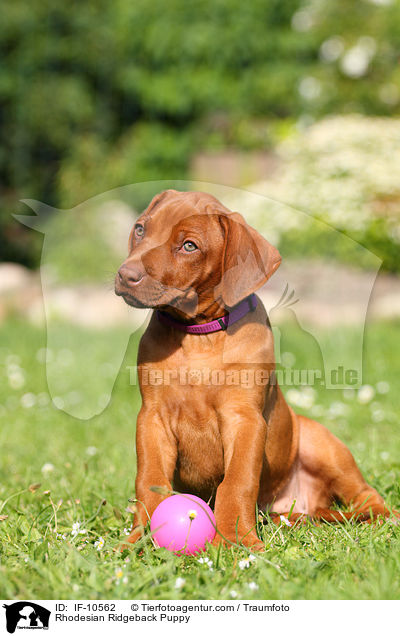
x: 96, y: 95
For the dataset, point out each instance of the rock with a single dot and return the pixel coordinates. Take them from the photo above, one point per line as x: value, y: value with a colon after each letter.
x: 14, y: 277
x: 19, y: 288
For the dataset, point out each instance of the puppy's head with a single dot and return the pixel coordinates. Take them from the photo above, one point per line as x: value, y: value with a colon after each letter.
x: 188, y: 251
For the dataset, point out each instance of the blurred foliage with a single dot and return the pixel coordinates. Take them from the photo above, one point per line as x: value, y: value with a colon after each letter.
x: 345, y: 172
x: 95, y: 95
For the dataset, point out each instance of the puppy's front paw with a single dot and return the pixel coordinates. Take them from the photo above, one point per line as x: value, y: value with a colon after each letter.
x: 250, y: 541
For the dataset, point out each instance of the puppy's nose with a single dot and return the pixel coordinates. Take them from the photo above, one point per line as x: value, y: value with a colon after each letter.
x: 129, y: 275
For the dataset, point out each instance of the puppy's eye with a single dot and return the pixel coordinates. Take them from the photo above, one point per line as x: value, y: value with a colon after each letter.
x: 189, y: 246
x: 139, y: 231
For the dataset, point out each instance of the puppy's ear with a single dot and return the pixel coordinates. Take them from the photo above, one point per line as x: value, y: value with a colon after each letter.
x: 247, y: 262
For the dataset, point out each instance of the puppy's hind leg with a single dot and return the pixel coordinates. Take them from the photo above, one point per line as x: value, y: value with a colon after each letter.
x: 325, y: 455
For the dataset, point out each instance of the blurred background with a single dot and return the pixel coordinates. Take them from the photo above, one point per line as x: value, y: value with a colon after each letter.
x: 303, y: 95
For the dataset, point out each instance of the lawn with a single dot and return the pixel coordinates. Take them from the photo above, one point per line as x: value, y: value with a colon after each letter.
x: 58, y: 539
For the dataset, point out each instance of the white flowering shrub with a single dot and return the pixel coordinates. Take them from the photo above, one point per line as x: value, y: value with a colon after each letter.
x: 344, y: 171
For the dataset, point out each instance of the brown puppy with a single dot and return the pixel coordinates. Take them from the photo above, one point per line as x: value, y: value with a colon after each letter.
x: 203, y: 427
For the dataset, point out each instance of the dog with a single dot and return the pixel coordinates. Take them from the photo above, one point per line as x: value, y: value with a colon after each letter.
x: 201, y: 428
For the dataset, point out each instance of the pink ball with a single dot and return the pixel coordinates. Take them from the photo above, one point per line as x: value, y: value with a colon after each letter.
x: 180, y: 524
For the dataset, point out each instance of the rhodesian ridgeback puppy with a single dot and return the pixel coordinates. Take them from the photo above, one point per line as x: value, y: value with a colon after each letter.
x: 203, y: 427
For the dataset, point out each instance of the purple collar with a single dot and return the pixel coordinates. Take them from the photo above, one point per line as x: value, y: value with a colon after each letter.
x: 220, y: 324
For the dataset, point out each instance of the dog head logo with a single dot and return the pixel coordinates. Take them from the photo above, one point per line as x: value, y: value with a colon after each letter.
x: 80, y: 373
x: 26, y: 615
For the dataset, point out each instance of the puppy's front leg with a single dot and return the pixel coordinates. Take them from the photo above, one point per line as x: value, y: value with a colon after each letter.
x: 156, y: 460
x: 243, y: 432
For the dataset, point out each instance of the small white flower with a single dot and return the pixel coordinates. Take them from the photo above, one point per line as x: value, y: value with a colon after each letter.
x: 331, y: 49
x: 16, y: 379
x: 365, y: 394
x: 58, y: 402
x: 205, y: 560
x: 99, y: 544
x: 383, y: 387
x: 293, y: 396
x: 355, y: 61
x: 309, y: 88
x: 233, y: 594
x: 125, y: 580
x: 253, y: 586
x: 288, y: 359
x: 377, y: 414
x: 285, y: 521
x: 75, y: 528
x: 179, y: 583
x: 127, y: 532
x: 28, y: 400
x: 337, y: 409
x: 245, y: 563
x: 304, y: 398
x: 43, y: 399
x: 91, y: 451
x: 302, y: 20
x: 47, y: 468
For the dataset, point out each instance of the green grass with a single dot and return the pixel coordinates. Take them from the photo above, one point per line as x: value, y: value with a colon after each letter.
x: 93, y: 475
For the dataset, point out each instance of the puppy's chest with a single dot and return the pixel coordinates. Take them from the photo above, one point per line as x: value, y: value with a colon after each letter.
x: 200, y: 453
x: 192, y: 417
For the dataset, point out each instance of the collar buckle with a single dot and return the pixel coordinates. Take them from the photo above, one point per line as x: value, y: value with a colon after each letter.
x: 223, y: 326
